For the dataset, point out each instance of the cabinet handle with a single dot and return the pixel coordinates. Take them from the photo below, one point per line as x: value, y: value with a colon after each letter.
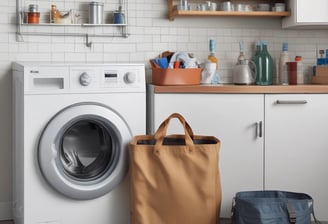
x: 260, y: 129
x: 291, y: 102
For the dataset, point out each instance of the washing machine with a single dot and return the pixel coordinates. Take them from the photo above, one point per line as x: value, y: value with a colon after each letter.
x: 72, y: 126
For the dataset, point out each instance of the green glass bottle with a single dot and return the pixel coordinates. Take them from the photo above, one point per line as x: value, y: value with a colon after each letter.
x: 264, y: 66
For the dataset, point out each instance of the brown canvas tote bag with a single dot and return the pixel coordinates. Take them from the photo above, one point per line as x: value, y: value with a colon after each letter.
x: 174, y: 179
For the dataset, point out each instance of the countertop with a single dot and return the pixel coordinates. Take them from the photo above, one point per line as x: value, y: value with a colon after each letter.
x: 240, y: 89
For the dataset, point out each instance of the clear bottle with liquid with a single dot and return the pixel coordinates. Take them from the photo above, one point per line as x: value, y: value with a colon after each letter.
x: 282, y: 68
x: 264, y: 66
x: 212, y: 58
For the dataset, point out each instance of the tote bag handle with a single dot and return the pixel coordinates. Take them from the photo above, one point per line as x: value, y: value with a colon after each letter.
x: 162, y: 129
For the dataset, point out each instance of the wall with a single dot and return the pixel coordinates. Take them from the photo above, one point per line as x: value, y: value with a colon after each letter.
x: 150, y: 34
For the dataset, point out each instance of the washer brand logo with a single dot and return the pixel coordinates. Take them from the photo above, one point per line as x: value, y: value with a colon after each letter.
x: 34, y: 71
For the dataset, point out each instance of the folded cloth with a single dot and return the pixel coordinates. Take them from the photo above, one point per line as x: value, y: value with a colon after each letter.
x: 162, y: 62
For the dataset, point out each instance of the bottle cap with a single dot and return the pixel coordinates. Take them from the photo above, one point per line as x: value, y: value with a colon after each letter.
x: 298, y: 58
x: 284, y: 46
x: 258, y: 45
x: 212, y: 47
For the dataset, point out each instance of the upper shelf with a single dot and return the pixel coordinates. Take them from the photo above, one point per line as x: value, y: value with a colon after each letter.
x: 74, y: 25
x: 173, y: 12
x: 176, y: 13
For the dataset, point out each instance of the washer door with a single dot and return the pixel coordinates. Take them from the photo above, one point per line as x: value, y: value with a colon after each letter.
x: 83, y: 151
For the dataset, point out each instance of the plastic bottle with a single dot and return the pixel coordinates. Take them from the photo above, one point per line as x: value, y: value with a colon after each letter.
x: 54, y: 14
x: 211, y: 56
x: 300, y: 70
x: 321, y: 61
x: 264, y: 67
x: 283, y: 59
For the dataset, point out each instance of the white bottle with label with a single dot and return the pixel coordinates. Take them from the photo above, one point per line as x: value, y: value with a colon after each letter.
x: 283, y: 59
x: 301, y: 73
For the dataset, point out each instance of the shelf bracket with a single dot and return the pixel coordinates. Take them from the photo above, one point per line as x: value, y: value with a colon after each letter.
x: 87, y: 42
x: 170, y: 10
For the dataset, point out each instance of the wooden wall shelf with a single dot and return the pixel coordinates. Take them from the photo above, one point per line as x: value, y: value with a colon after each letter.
x: 172, y: 13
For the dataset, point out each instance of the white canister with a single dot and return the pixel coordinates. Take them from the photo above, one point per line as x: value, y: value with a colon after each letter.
x: 96, y: 13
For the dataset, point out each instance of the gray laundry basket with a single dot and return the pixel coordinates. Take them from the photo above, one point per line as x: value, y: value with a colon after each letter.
x: 272, y: 207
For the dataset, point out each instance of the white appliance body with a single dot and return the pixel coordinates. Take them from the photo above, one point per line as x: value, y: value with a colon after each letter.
x: 72, y: 127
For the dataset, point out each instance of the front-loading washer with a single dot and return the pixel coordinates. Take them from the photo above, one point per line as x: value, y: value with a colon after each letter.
x: 72, y: 126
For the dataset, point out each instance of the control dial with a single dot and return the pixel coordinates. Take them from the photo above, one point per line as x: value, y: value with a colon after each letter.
x: 130, y: 77
x: 85, y: 79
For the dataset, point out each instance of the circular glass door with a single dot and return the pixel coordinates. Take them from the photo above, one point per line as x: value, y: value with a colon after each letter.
x: 83, y: 151
x: 86, y: 150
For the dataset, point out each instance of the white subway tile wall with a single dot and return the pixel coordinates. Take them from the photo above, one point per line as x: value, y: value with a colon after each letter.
x: 150, y: 34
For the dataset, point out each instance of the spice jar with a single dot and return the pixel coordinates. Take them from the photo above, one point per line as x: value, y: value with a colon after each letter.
x: 54, y: 14
x: 33, y: 8
x: 33, y: 15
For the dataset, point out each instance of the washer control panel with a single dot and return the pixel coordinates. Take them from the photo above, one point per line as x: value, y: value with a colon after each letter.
x: 82, y: 78
x: 108, y: 77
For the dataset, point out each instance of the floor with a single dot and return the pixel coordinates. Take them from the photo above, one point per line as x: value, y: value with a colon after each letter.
x: 11, y: 222
x: 225, y: 221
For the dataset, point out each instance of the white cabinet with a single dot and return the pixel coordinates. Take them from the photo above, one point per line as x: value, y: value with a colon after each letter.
x: 307, y: 13
x: 296, y: 146
x: 234, y: 120
x: 291, y: 155
x: 314, y: 11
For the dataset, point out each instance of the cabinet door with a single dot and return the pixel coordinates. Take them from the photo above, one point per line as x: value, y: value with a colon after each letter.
x: 231, y: 118
x: 306, y: 13
x: 296, y: 146
x: 314, y: 11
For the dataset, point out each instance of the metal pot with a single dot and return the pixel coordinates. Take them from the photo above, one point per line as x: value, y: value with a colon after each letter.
x: 244, y: 73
